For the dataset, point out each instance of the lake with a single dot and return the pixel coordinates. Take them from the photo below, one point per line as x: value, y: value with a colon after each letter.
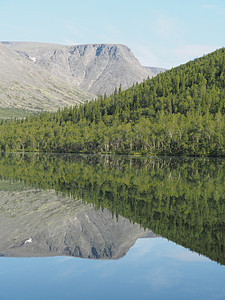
x: 111, y: 227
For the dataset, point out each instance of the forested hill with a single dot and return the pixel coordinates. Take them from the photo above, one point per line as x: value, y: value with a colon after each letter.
x: 180, y: 111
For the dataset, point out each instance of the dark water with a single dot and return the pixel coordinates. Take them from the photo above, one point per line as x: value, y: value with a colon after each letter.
x: 100, y: 227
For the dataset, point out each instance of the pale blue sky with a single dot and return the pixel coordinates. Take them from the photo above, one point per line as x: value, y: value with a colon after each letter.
x: 161, y: 33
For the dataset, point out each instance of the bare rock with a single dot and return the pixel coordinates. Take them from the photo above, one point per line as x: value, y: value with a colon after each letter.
x: 97, y: 68
x: 25, y: 85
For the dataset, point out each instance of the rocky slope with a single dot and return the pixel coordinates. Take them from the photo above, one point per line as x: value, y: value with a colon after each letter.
x: 97, y: 68
x: 25, y: 85
x: 38, y: 223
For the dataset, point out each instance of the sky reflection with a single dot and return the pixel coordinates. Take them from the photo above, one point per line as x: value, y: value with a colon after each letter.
x: 153, y: 269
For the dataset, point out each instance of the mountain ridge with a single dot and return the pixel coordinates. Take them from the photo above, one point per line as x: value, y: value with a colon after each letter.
x: 97, y: 68
x: 156, y: 70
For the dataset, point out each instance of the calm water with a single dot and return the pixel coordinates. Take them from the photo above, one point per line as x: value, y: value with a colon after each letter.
x: 99, y: 227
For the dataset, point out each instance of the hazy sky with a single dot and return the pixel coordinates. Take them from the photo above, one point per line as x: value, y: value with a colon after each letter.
x: 161, y: 33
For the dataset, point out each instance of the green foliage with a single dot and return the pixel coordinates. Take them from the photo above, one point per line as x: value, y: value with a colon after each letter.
x: 179, y: 112
x: 180, y: 199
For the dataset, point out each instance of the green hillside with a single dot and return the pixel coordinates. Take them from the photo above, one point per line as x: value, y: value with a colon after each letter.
x: 178, y: 112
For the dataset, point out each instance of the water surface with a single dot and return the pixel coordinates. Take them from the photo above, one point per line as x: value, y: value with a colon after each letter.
x: 97, y: 227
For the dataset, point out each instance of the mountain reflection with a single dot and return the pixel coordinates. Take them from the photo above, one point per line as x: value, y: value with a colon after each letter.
x: 182, y: 200
x: 41, y: 223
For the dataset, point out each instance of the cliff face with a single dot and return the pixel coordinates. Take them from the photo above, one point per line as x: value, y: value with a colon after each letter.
x: 25, y: 85
x: 38, y: 223
x: 97, y: 68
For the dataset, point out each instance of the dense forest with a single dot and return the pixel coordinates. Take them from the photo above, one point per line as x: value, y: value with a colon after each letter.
x: 181, y: 111
x: 182, y: 200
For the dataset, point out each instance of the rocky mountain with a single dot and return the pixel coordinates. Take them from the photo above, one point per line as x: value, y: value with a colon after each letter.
x: 156, y: 70
x: 24, y: 85
x: 97, y: 68
x: 42, y: 223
